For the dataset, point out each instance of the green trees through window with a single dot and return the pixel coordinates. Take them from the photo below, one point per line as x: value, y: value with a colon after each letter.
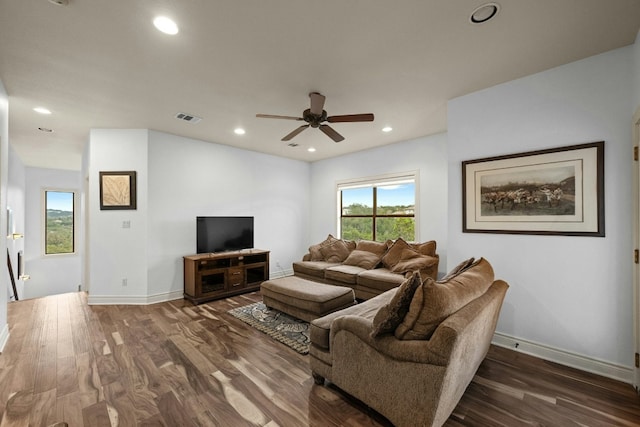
x: 59, y: 222
x: 378, y: 212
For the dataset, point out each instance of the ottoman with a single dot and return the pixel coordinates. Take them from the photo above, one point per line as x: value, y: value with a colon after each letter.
x: 305, y: 299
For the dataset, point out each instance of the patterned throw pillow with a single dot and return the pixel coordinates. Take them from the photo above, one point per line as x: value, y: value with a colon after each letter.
x: 391, y: 315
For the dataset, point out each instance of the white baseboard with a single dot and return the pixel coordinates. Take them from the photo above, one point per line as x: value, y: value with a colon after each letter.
x: 133, y: 300
x: 4, y: 337
x: 563, y: 357
x: 280, y: 273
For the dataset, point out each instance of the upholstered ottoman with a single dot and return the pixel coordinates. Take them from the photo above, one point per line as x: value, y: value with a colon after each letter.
x: 305, y: 299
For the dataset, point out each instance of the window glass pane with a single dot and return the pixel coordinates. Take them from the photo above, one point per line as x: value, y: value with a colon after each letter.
x: 357, y: 201
x: 396, y: 199
x: 59, y: 222
x: 392, y: 228
x: 357, y: 228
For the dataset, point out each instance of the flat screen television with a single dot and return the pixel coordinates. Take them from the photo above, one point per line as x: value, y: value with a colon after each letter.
x: 223, y: 233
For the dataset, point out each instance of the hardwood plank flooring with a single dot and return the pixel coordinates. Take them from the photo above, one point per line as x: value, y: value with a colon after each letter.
x: 175, y: 364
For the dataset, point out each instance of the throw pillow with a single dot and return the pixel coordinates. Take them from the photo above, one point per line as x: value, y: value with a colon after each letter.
x: 390, y: 315
x: 458, y: 269
x: 395, y: 253
x: 426, y: 248
x: 314, y: 250
x: 378, y: 248
x: 434, y: 301
x: 362, y: 259
x: 336, y: 251
x: 411, y: 261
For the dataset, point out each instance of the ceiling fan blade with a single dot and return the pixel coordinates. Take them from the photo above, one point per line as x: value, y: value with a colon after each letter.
x: 272, y: 116
x: 331, y: 133
x: 294, y: 133
x: 317, y: 103
x: 351, y: 118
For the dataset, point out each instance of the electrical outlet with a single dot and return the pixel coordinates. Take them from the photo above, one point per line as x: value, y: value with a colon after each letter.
x: 124, y: 282
x: 126, y: 224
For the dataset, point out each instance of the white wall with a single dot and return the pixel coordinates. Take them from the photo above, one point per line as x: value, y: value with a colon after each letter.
x: 189, y: 178
x: 115, y: 252
x: 50, y: 274
x: 4, y: 177
x: 179, y: 179
x: 428, y: 155
x: 16, y: 200
x: 568, y: 295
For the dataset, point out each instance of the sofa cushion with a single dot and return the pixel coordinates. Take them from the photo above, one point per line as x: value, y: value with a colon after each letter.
x: 435, y: 301
x: 380, y: 279
x: 426, y: 248
x: 390, y: 315
x: 395, y: 253
x: 363, y: 259
x: 337, y: 251
x: 320, y: 329
x: 346, y: 274
x: 312, y: 268
x: 314, y: 250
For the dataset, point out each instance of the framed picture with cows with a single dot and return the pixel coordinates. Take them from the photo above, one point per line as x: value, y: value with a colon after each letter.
x: 558, y: 191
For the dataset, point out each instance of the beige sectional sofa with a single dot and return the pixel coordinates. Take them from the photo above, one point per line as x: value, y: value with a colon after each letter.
x: 410, y: 353
x: 369, y: 268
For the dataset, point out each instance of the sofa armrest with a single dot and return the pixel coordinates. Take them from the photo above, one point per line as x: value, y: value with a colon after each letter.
x: 306, y: 257
x: 418, y: 351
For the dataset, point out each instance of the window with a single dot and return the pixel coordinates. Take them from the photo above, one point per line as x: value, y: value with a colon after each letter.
x: 59, y: 222
x: 378, y: 208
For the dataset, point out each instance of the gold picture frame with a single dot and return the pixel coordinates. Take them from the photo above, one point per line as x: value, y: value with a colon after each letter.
x: 558, y: 191
x: 118, y: 190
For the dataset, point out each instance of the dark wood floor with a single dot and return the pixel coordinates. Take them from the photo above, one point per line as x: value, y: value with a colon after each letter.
x: 176, y: 364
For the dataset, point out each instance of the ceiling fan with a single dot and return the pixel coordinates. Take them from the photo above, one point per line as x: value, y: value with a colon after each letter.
x: 315, y: 116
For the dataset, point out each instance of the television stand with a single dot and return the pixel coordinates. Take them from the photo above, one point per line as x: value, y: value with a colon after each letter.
x: 222, y: 274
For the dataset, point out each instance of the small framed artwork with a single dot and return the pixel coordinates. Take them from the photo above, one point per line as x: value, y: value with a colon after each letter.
x: 117, y: 190
x: 558, y: 191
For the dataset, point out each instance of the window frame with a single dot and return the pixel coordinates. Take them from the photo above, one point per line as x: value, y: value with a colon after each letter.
x: 74, y: 192
x: 374, y: 182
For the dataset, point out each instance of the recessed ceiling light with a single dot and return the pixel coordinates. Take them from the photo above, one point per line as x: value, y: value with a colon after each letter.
x: 47, y: 130
x: 311, y: 150
x: 387, y: 129
x: 484, y: 13
x: 239, y: 131
x: 165, y: 25
x: 42, y: 110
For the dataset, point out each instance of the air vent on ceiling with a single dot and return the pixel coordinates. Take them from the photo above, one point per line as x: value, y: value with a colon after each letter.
x: 188, y: 117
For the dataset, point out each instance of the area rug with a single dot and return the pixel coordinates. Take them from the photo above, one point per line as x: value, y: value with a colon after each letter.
x: 278, y: 325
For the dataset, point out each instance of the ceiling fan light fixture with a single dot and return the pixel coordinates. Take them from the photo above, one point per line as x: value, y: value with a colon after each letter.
x: 311, y: 150
x: 387, y: 129
x: 484, y: 13
x: 239, y: 131
x: 165, y: 25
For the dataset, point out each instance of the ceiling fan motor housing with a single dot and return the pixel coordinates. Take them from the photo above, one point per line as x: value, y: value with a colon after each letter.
x: 313, y: 119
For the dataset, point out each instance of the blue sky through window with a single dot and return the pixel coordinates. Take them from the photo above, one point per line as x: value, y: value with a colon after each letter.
x: 390, y: 195
x: 60, y: 200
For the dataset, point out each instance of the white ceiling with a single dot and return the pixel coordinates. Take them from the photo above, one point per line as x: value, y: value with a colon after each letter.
x: 102, y: 64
